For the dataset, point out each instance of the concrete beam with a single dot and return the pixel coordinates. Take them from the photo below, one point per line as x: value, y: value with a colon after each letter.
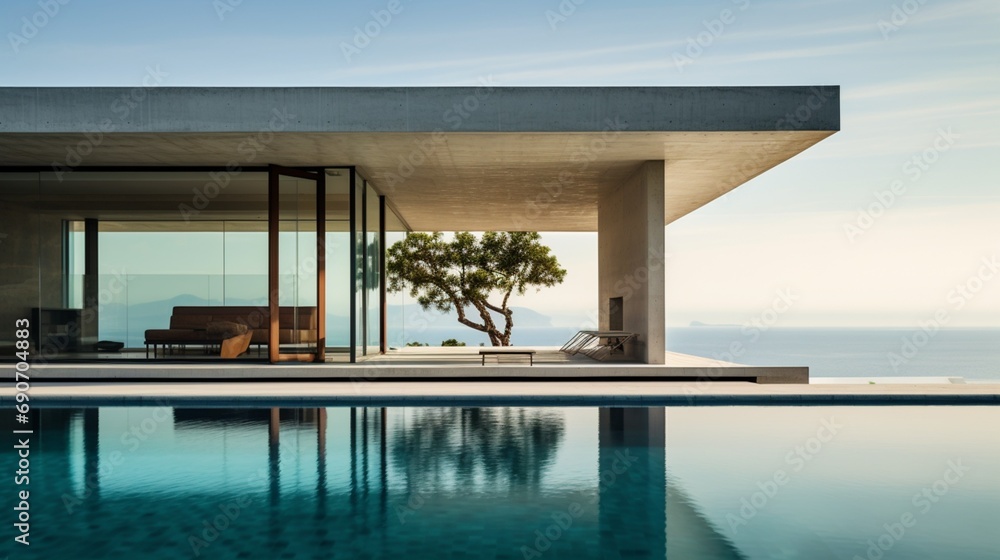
x: 486, y: 108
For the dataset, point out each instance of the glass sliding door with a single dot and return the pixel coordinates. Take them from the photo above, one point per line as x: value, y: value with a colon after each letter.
x: 123, y: 253
x: 357, y: 203
x: 338, y: 263
x: 395, y: 231
x: 296, y: 265
x: 373, y: 271
x: 367, y: 261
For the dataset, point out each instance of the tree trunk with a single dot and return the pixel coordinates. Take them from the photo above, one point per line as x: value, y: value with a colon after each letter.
x: 497, y: 337
x: 508, y: 326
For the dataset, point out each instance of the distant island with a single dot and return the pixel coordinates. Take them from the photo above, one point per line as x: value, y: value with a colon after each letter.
x: 700, y: 324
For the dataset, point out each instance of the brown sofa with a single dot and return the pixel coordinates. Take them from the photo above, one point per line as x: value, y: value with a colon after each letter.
x: 189, y: 325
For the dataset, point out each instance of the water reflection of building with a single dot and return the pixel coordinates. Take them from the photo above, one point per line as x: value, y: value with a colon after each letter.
x: 632, y: 479
x: 378, y: 480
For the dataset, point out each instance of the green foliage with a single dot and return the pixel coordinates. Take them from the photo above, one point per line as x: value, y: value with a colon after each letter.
x: 467, y: 271
x: 368, y: 258
x: 452, y: 342
x: 411, y: 344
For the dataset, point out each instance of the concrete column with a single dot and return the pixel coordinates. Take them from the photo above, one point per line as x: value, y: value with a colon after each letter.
x: 630, y: 222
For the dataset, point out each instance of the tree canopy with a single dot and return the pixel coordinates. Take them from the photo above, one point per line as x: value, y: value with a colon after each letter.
x: 467, y: 272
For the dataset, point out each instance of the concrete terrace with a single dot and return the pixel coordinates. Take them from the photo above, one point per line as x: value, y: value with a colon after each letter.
x: 434, y: 376
x: 433, y: 363
x: 494, y: 393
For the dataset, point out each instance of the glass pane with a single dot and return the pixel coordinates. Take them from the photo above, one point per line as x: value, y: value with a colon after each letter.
x: 358, y: 268
x: 165, y: 239
x: 338, y: 261
x: 373, y: 251
x: 297, y: 295
x: 147, y: 269
x: 75, y: 264
x: 395, y: 231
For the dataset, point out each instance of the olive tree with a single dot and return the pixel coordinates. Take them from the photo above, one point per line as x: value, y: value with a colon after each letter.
x: 474, y: 276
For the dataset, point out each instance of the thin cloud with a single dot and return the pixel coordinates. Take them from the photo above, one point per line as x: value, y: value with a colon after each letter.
x: 791, y: 54
x: 549, y: 61
x: 924, y: 85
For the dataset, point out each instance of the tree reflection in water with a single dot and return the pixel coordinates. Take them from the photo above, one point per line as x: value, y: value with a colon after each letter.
x: 500, y: 449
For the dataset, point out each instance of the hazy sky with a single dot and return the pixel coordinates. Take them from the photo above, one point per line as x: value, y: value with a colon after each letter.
x: 920, y: 79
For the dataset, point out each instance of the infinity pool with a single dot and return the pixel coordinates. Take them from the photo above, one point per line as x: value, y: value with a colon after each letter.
x: 679, y: 483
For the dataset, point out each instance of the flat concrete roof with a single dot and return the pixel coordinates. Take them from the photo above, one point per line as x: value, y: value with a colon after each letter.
x: 449, y: 158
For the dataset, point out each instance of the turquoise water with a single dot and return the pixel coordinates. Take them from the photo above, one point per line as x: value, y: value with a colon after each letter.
x: 679, y: 483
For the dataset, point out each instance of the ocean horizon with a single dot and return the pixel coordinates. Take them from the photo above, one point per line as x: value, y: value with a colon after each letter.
x: 971, y: 353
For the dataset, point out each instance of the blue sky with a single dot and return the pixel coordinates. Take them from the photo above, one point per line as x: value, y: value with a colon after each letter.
x: 920, y: 80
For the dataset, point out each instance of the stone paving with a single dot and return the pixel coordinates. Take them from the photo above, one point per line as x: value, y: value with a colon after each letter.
x: 481, y: 393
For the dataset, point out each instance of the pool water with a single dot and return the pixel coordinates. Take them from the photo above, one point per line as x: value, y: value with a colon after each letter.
x: 680, y: 483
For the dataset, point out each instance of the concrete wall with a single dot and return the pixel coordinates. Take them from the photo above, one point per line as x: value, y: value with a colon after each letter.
x: 18, y: 268
x: 630, y: 243
x: 30, y: 267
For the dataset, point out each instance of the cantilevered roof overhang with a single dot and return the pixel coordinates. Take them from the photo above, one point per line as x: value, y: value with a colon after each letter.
x: 449, y: 158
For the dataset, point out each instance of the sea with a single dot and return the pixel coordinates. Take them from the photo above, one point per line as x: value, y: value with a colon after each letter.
x: 972, y: 354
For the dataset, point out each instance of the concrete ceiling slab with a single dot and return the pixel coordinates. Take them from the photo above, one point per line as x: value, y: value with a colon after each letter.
x: 448, y: 158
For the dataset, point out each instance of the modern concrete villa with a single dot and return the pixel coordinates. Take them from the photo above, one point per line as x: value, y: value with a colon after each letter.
x: 285, y: 200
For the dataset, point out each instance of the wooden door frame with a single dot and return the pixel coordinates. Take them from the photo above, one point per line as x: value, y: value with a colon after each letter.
x: 273, y: 231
